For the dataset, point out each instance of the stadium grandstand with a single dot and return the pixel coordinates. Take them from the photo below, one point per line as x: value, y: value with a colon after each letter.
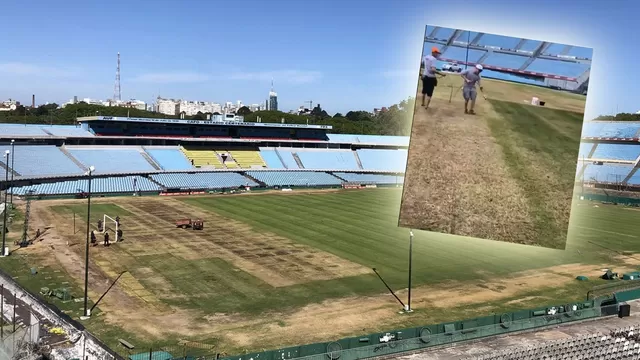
x: 562, y: 67
x: 609, y: 155
x: 168, y: 156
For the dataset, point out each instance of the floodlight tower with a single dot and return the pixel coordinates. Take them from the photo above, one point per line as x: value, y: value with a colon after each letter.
x: 117, y: 95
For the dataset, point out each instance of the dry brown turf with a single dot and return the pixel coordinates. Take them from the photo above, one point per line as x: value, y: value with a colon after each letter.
x: 458, y: 180
x: 143, y: 309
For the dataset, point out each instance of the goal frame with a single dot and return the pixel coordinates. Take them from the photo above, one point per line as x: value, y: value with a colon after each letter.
x: 104, y: 225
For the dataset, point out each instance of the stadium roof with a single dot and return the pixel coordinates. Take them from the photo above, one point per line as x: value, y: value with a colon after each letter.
x: 200, y: 122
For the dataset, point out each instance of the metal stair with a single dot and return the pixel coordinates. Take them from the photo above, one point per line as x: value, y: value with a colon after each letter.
x: 476, y: 38
x: 150, y: 159
x: 451, y: 39
x: 355, y: 153
x: 485, y: 56
x: 280, y: 157
x: 536, y: 53
x: 4, y: 169
x: 298, y: 161
x: 75, y: 161
x: 434, y: 32
x: 566, y: 49
x: 520, y: 44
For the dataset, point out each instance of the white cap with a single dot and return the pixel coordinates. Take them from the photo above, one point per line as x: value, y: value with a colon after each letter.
x: 478, y: 66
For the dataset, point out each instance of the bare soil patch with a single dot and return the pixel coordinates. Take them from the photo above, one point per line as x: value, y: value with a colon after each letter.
x: 125, y: 308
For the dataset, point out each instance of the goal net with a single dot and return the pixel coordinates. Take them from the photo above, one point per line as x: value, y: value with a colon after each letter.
x: 105, y: 228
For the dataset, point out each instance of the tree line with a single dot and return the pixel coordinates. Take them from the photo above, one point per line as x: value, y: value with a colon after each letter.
x: 619, y: 117
x: 394, y: 120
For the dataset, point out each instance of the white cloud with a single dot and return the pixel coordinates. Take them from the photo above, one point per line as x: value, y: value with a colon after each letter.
x: 169, y: 77
x: 282, y: 76
x: 22, y: 69
x: 399, y: 73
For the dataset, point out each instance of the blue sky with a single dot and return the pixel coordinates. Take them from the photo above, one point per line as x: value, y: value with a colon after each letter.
x: 343, y: 54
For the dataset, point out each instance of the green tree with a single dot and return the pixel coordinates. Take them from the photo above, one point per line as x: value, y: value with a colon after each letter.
x: 243, y: 111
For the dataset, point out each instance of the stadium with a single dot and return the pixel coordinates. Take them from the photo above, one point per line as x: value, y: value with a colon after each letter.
x: 295, y: 220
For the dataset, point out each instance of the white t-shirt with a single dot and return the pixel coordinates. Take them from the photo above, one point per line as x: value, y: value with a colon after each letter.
x: 429, y: 61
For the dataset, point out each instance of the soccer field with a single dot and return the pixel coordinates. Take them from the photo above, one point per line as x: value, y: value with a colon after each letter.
x: 270, y: 269
x: 506, y: 173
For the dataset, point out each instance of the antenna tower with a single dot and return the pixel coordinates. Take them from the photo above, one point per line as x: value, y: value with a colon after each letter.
x: 117, y: 96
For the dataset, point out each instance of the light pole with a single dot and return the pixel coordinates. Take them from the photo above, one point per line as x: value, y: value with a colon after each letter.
x: 86, y: 254
x: 408, y: 309
x: 13, y: 158
x: 4, y: 213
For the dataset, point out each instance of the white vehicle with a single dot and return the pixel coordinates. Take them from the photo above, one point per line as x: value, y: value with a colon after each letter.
x: 451, y: 67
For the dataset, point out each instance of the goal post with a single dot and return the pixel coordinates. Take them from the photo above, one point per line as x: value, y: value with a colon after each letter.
x: 104, y: 225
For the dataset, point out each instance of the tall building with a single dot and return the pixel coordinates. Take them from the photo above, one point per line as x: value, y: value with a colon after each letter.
x: 166, y: 106
x: 273, y: 99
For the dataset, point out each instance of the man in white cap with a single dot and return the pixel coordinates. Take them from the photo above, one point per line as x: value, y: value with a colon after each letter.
x: 471, y: 78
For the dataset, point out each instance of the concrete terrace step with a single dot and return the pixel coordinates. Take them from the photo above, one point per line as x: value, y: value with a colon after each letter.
x: 72, y: 158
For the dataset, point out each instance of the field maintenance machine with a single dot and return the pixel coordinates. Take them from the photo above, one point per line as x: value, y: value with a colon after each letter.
x: 194, y: 224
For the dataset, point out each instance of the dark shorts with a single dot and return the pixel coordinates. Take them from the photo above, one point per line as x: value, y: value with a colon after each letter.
x: 428, y: 85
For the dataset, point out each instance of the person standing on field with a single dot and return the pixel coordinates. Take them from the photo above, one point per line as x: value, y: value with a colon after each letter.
x: 429, y: 81
x: 471, y: 78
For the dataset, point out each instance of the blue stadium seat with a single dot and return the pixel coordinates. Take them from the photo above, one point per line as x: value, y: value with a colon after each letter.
x: 169, y: 158
x: 294, y: 178
x: 606, y: 173
x: 504, y: 42
x: 383, y: 160
x: 610, y: 129
x: 382, y: 140
x: 66, y: 130
x: 619, y: 130
x: 581, y: 52
x: 577, y: 51
x: 460, y: 54
x: 34, y: 160
x: 22, y: 130
x: 442, y: 34
x: 214, y: 180
x: 531, y: 45
x: 328, y: 159
x: 554, y: 49
x: 271, y: 158
x: 505, y: 60
x: 616, y: 151
x: 98, y: 186
x: 490, y: 74
x: 592, y: 129
x: 111, y: 160
x: 381, y: 179
x: 557, y: 67
x: 466, y: 36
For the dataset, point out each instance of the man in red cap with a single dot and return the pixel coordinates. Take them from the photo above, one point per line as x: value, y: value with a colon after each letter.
x: 429, y: 81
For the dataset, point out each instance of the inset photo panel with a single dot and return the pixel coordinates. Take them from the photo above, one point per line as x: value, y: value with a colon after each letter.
x: 495, y: 137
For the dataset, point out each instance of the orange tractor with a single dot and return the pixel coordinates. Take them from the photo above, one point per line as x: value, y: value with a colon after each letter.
x: 195, y: 224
